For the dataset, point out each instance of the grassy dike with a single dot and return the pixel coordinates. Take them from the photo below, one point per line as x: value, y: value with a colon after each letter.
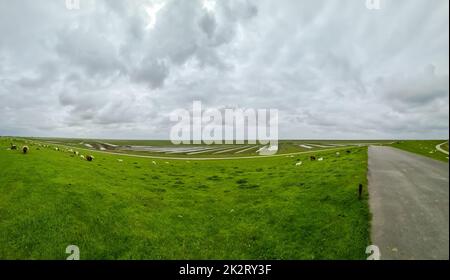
x: 266, y: 208
x: 423, y: 147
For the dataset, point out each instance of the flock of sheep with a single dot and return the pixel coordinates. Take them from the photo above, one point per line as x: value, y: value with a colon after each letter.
x: 314, y: 158
x: 26, y: 149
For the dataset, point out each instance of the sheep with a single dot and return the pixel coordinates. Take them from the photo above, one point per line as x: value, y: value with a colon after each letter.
x: 76, y: 153
x: 320, y: 159
x: 312, y: 158
x: 82, y: 157
x: 56, y: 149
x: 89, y: 158
x: 299, y: 163
x: 154, y: 162
x: 120, y: 160
x: 13, y: 147
x: 338, y: 154
x: 25, y: 149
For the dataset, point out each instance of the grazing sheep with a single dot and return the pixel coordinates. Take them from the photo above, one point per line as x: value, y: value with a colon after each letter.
x: 56, y: 149
x: 76, y: 153
x: 13, y: 147
x: 312, y: 158
x: 89, y: 158
x: 82, y: 157
x: 154, y: 162
x: 25, y: 149
x: 299, y: 163
x: 320, y: 159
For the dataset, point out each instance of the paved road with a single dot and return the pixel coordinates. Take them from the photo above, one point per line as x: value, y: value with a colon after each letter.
x: 438, y: 147
x: 409, y: 200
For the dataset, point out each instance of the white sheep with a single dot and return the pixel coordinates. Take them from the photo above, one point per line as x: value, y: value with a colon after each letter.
x: 299, y: 163
x: 90, y: 158
x: 25, y: 149
x: 320, y: 159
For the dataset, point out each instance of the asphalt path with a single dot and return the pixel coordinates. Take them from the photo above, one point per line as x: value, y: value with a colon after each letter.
x: 438, y: 147
x: 409, y: 201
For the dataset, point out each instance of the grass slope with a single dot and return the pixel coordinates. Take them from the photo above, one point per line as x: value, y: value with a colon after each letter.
x: 423, y: 147
x: 236, y: 209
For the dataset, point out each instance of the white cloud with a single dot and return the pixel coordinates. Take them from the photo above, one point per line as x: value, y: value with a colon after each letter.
x: 334, y: 69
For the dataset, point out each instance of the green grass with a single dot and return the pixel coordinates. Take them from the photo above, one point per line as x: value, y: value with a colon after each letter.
x: 264, y: 208
x: 423, y: 147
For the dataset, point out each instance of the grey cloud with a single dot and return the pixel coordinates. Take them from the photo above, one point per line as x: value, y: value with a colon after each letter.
x: 415, y: 90
x: 153, y: 73
x: 83, y: 48
x: 208, y: 25
x: 334, y: 70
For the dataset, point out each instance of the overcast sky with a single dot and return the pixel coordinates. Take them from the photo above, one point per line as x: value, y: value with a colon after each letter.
x: 333, y: 69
